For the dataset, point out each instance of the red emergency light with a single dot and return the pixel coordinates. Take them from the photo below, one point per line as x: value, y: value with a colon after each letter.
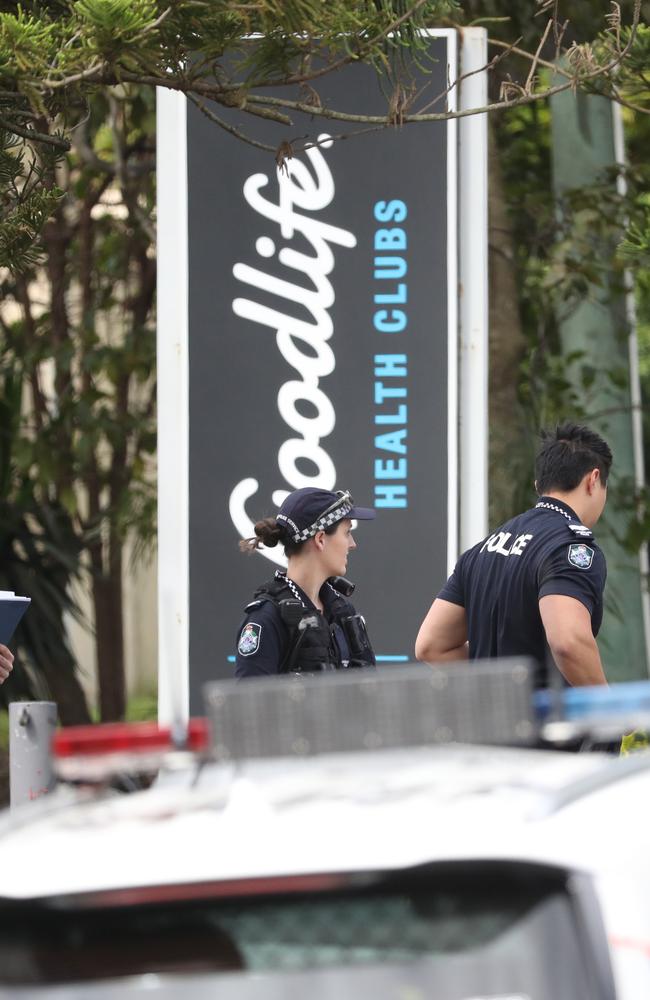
x: 96, y: 750
x: 112, y: 737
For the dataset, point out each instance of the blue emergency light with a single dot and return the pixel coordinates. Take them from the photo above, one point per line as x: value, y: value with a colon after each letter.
x: 624, y: 700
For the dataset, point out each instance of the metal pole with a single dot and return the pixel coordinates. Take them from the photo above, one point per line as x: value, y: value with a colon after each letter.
x: 473, y: 280
x: 173, y: 409
x: 31, y: 726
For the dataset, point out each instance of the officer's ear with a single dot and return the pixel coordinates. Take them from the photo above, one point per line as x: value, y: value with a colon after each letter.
x: 593, y: 478
x: 319, y: 540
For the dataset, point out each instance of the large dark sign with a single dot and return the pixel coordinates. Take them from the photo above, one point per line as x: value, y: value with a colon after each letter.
x: 321, y: 340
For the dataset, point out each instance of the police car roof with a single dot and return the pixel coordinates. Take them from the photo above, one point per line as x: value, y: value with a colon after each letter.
x: 346, y: 812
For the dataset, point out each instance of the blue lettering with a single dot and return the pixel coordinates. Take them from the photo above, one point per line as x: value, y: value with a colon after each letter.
x: 390, y: 267
x: 383, y: 392
x: 391, y: 370
x: 388, y: 468
x: 399, y: 417
x: 386, y: 325
x: 390, y: 239
x: 390, y: 211
x: 394, y: 441
x: 398, y: 297
x: 391, y: 496
x: 390, y: 364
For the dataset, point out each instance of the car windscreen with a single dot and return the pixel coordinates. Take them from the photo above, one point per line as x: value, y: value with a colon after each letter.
x: 465, y: 930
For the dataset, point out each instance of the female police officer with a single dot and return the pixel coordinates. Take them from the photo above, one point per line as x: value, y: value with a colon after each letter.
x: 302, y: 621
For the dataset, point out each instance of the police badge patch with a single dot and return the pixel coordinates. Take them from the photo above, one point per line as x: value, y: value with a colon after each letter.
x: 249, y: 640
x: 581, y: 556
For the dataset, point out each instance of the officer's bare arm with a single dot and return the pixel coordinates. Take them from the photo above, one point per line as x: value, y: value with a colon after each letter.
x: 567, y: 624
x: 443, y: 633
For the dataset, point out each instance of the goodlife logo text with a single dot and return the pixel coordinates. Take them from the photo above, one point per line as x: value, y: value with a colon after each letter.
x: 309, y: 191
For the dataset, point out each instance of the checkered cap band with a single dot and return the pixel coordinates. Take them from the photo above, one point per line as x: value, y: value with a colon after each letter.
x: 319, y: 525
x: 287, y: 520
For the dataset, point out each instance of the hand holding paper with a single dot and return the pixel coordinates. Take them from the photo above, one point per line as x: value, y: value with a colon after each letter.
x: 6, y: 663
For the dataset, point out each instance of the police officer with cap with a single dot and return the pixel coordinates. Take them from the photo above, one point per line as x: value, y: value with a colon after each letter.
x: 302, y: 620
x: 534, y: 587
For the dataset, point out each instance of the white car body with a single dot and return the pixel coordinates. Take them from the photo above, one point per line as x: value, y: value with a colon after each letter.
x: 383, y: 811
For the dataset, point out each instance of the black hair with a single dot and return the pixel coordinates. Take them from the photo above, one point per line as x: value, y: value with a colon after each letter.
x: 567, y: 454
x: 269, y: 533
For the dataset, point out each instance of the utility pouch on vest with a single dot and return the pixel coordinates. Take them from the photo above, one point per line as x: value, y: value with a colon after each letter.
x: 309, y: 660
x: 358, y: 639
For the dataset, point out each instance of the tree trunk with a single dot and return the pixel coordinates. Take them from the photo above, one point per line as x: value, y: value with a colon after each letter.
x: 507, y: 446
x: 65, y: 689
x: 109, y: 631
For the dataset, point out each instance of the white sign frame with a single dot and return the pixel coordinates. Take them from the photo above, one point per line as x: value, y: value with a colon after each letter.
x: 467, y: 353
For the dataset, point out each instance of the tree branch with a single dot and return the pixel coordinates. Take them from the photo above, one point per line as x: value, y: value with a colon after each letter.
x: 154, y: 24
x: 497, y: 43
x: 346, y: 60
x: 228, y: 128
x: 533, y: 66
x: 89, y: 75
x: 616, y: 96
x: 572, y: 79
x: 32, y: 135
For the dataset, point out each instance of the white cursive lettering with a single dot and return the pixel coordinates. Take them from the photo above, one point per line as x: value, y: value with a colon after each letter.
x: 310, y: 191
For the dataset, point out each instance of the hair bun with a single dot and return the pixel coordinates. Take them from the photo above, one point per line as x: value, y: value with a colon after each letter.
x: 269, y: 532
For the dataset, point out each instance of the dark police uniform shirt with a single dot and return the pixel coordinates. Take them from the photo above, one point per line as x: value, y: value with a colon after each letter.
x: 263, y: 638
x: 499, y: 582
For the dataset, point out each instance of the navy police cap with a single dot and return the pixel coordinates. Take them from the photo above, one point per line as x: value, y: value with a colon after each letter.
x: 309, y: 510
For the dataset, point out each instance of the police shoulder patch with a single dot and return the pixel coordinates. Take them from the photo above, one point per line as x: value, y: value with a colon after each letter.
x: 581, y: 530
x: 581, y: 556
x: 252, y: 605
x: 249, y: 639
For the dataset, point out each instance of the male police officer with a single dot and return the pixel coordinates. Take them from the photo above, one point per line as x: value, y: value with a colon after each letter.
x: 535, y: 585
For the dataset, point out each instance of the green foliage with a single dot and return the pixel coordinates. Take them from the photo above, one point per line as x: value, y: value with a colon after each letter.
x: 634, y: 249
x: 54, y: 57
x: 27, y: 199
x: 142, y: 35
x: 80, y: 329
x: 559, y: 243
x: 112, y: 21
x: 27, y: 43
x: 120, y: 31
x: 562, y: 261
x: 39, y: 553
x: 142, y: 708
x: 22, y: 226
x: 633, y: 75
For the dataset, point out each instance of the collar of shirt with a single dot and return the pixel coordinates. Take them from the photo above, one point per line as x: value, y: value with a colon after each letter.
x: 327, y: 593
x: 552, y: 503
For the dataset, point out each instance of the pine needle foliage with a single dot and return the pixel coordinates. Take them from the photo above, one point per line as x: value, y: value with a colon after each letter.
x: 54, y: 56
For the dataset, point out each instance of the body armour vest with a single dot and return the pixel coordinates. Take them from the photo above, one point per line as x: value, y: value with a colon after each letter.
x: 312, y: 646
